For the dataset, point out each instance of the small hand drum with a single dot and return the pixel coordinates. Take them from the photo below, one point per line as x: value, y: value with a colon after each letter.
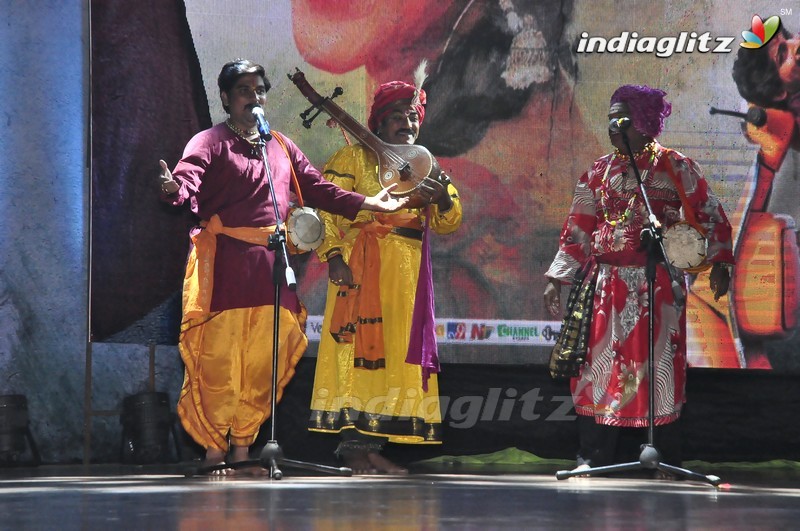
x: 305, y: 229
x: 686, y: 247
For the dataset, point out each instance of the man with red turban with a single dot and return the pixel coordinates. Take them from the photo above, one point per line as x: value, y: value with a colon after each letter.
x: 601, y: 255
x: 375, y: 379
x: 394, y: 93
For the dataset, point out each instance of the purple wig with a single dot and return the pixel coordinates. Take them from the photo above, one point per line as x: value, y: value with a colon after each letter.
x: 647, y: 106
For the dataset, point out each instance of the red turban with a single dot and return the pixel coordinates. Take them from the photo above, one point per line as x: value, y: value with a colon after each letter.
x: 389, y: 93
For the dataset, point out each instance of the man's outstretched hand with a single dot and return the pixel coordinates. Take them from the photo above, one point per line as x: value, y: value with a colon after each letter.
x: 168, y: 185
x: 384, y: 201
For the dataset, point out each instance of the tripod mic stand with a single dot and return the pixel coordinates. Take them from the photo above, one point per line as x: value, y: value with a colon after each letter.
x: 649, y: 457
x: 272, y: 455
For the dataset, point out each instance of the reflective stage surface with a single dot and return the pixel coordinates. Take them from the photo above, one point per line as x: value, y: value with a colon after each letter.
x: 113, y: 497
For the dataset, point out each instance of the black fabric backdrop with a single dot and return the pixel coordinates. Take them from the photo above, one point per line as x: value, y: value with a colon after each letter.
x: 148, y: 100
x: 729, y: 416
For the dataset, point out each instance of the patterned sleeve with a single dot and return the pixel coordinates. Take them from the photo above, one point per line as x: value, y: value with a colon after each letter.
x: 320, y: 193
x: 447, y: 222
x: 707, y: 208
x: 575, y: 241
x: 341, y: 169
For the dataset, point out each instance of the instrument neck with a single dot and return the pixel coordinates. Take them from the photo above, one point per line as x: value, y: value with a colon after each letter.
x: 354, y: 127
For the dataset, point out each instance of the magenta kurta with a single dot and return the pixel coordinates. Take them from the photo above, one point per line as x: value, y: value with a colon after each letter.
x: 613, y: 384
x: 227, y: 353
x: 220, y: 174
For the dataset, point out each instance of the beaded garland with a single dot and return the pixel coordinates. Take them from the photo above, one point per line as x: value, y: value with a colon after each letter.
x: 256, y: 145
x: 650, y: 147
x: 628, y: 213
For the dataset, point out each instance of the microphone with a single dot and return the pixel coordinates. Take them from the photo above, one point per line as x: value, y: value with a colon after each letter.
x: 617, y: 125
x: 755, y: 115
x: 261, y: 123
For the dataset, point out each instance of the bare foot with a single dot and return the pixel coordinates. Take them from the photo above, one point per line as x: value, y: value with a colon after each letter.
x: 242, y: 453
x: 385, y: 466
x: 581, y: 468
x: 358, y: 462
x: 239, y: 454
x: 215, y: 457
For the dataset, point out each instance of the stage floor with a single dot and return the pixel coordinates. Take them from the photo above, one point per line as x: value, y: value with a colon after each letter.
x: 116, y: 497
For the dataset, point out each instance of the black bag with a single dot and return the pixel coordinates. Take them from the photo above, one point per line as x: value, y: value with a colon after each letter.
x: 569, y: 352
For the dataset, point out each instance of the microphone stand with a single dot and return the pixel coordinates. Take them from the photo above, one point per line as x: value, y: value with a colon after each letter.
x: 649, y: 457
x: 272, y: 454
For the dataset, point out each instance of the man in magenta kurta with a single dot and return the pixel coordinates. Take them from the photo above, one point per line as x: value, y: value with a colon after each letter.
x: 228, y: 301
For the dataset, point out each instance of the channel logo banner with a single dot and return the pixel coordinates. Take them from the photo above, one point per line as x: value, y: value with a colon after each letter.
x: 472, y: 331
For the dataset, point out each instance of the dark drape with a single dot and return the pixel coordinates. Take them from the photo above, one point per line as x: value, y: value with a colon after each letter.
x: 147, y: 102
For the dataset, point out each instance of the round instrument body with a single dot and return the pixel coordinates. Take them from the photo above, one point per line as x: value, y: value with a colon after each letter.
x: 686, y: 247
x: 406, y: 166
x: 305, y: 229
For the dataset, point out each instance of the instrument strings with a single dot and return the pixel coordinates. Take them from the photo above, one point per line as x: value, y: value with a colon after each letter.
x: 395, y: 158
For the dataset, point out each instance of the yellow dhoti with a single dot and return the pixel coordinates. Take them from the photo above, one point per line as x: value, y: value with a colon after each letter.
x: 227, y: 387
x: 228, y: 380
x: 387, y: 401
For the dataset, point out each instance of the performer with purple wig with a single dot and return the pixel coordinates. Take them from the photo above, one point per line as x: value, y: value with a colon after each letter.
x: 601, y: 255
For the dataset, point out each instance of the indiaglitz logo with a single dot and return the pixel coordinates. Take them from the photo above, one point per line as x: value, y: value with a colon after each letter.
x: 760, y: 32
x: 632, y: 42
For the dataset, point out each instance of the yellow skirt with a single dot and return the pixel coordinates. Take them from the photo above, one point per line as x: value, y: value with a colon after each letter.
x: 386, y: 402
x: 227, y: 387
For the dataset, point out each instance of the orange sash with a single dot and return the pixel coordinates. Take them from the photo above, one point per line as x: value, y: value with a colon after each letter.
x: 198, y: 282
x: 357, y: 310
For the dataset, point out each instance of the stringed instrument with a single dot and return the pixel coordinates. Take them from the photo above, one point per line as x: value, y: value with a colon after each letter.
x: 407, y: 165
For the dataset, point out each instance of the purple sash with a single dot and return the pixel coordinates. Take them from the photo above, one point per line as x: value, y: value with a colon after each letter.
x: 422, y: 349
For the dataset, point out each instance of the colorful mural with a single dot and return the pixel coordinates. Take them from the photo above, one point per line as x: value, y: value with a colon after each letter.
x: 518, y: 96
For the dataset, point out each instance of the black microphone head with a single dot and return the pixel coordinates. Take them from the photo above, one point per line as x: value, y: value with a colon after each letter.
x: 756, y: 116
x: 619, y: 124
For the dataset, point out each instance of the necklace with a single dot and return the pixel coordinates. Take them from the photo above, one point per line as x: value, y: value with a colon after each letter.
x: 650, y: 147
x: 243, y: 134
x: 256, y: 145
x: 628, y: 213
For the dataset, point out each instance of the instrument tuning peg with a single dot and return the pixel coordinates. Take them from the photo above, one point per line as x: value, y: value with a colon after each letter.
x: 304, y: 115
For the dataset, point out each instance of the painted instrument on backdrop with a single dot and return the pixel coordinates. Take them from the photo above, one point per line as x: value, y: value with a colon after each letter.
x: 764, y: 285
x: 407, y: 165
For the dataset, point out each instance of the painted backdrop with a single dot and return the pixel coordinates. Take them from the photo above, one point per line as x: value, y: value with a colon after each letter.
x: 518, y: 95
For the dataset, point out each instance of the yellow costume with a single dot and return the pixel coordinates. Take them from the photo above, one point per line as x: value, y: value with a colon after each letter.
x: 377, y: 394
